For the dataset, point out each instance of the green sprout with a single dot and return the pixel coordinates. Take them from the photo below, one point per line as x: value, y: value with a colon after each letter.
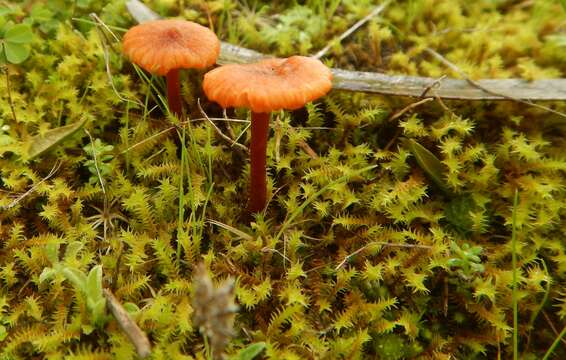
x: 102, y: 159
x: 89, y: 286
x: 466, y: 259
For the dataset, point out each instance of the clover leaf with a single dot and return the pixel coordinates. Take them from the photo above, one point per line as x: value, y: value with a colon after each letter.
x: 14, y: 43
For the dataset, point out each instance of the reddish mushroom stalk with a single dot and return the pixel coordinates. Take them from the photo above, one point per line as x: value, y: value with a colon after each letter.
x: 262, y: 87
x: 163, y: 47
x: 174, y: 93
x: 258, y: 162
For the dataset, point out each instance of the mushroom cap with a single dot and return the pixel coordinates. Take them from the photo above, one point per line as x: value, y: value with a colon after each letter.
x: 162, y: 45
x: 268, y: 85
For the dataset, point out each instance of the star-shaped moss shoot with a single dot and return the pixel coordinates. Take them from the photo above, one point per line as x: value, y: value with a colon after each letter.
x: 163, y: 47
x: 262, y: 87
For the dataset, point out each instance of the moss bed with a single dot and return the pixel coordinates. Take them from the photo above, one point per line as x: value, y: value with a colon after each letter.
x: 391, y: 231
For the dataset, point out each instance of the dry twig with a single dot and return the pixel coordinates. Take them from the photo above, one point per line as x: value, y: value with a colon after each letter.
x: 409, y: 107
x: 136, y: 336
x: 554, y: 330
x: 174, y: 127
x: 303, y: 145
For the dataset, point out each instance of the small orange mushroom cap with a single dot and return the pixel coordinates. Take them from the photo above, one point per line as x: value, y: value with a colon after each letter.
x: 162, y: 45
x: 268, y: 85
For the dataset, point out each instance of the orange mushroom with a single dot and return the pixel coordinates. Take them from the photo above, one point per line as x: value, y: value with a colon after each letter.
x: 162, y: 47
x: 268, y: 85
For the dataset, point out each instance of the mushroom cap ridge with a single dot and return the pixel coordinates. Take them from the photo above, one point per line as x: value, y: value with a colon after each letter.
x: 268, y: 85
x: 162, y: 45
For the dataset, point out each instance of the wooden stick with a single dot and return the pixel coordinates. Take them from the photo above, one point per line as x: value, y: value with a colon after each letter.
x: 137, y: 337
x: 399, y: 85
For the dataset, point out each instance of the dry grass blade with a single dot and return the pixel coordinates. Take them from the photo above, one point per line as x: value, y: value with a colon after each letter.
x: 32, y: 189
x: 408, y: 246
x: 231, y: 229
x: 219, y: 132
x: 351, y: 30
x: 103, y: 43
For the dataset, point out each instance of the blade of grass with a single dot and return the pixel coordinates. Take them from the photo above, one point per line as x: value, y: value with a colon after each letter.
x: 127, y: 139
x: 233, y: 230
x: 514, y: 262
x: 554, y: 344
x: 544, y: 299
x: 181, y: 196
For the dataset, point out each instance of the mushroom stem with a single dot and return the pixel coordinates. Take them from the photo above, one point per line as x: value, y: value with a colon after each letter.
x: 174, y: 93
x: 258, y: 157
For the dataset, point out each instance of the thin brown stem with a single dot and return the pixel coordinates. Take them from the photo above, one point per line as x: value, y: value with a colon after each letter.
x: 258, y: 157
x: 174, y: 93
x: 10, y: 96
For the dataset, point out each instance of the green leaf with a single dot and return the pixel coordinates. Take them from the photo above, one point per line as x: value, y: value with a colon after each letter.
x: 87, y: 329
x: 16, y: 53
x: 6, y: 11
x: 76, y: 277
x: 73, y: 250
x: 250, y: 352
x: 94, y: 283
x: 429, y: 163
x: 19, y: 34
x: 52, y: 252
x: 83, y: 4
x: 41, y: 14
x: 98, y: 310
x: 457, y: 213
x: 40, y: 144
x: 131, y: 308
x: 47, y: 274
x: 3, y: 332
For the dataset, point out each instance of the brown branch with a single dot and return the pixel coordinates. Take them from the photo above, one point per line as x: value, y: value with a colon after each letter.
x: 9, y: 92
x: 400, y: 85
x: 554, y: 330
x: 409, y: 107
x: 133, y: 332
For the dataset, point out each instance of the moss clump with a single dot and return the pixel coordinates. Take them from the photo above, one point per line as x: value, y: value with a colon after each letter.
x: 359, y: 254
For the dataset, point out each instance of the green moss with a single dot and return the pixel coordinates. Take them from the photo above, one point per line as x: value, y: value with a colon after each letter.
x: 360, y: 254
